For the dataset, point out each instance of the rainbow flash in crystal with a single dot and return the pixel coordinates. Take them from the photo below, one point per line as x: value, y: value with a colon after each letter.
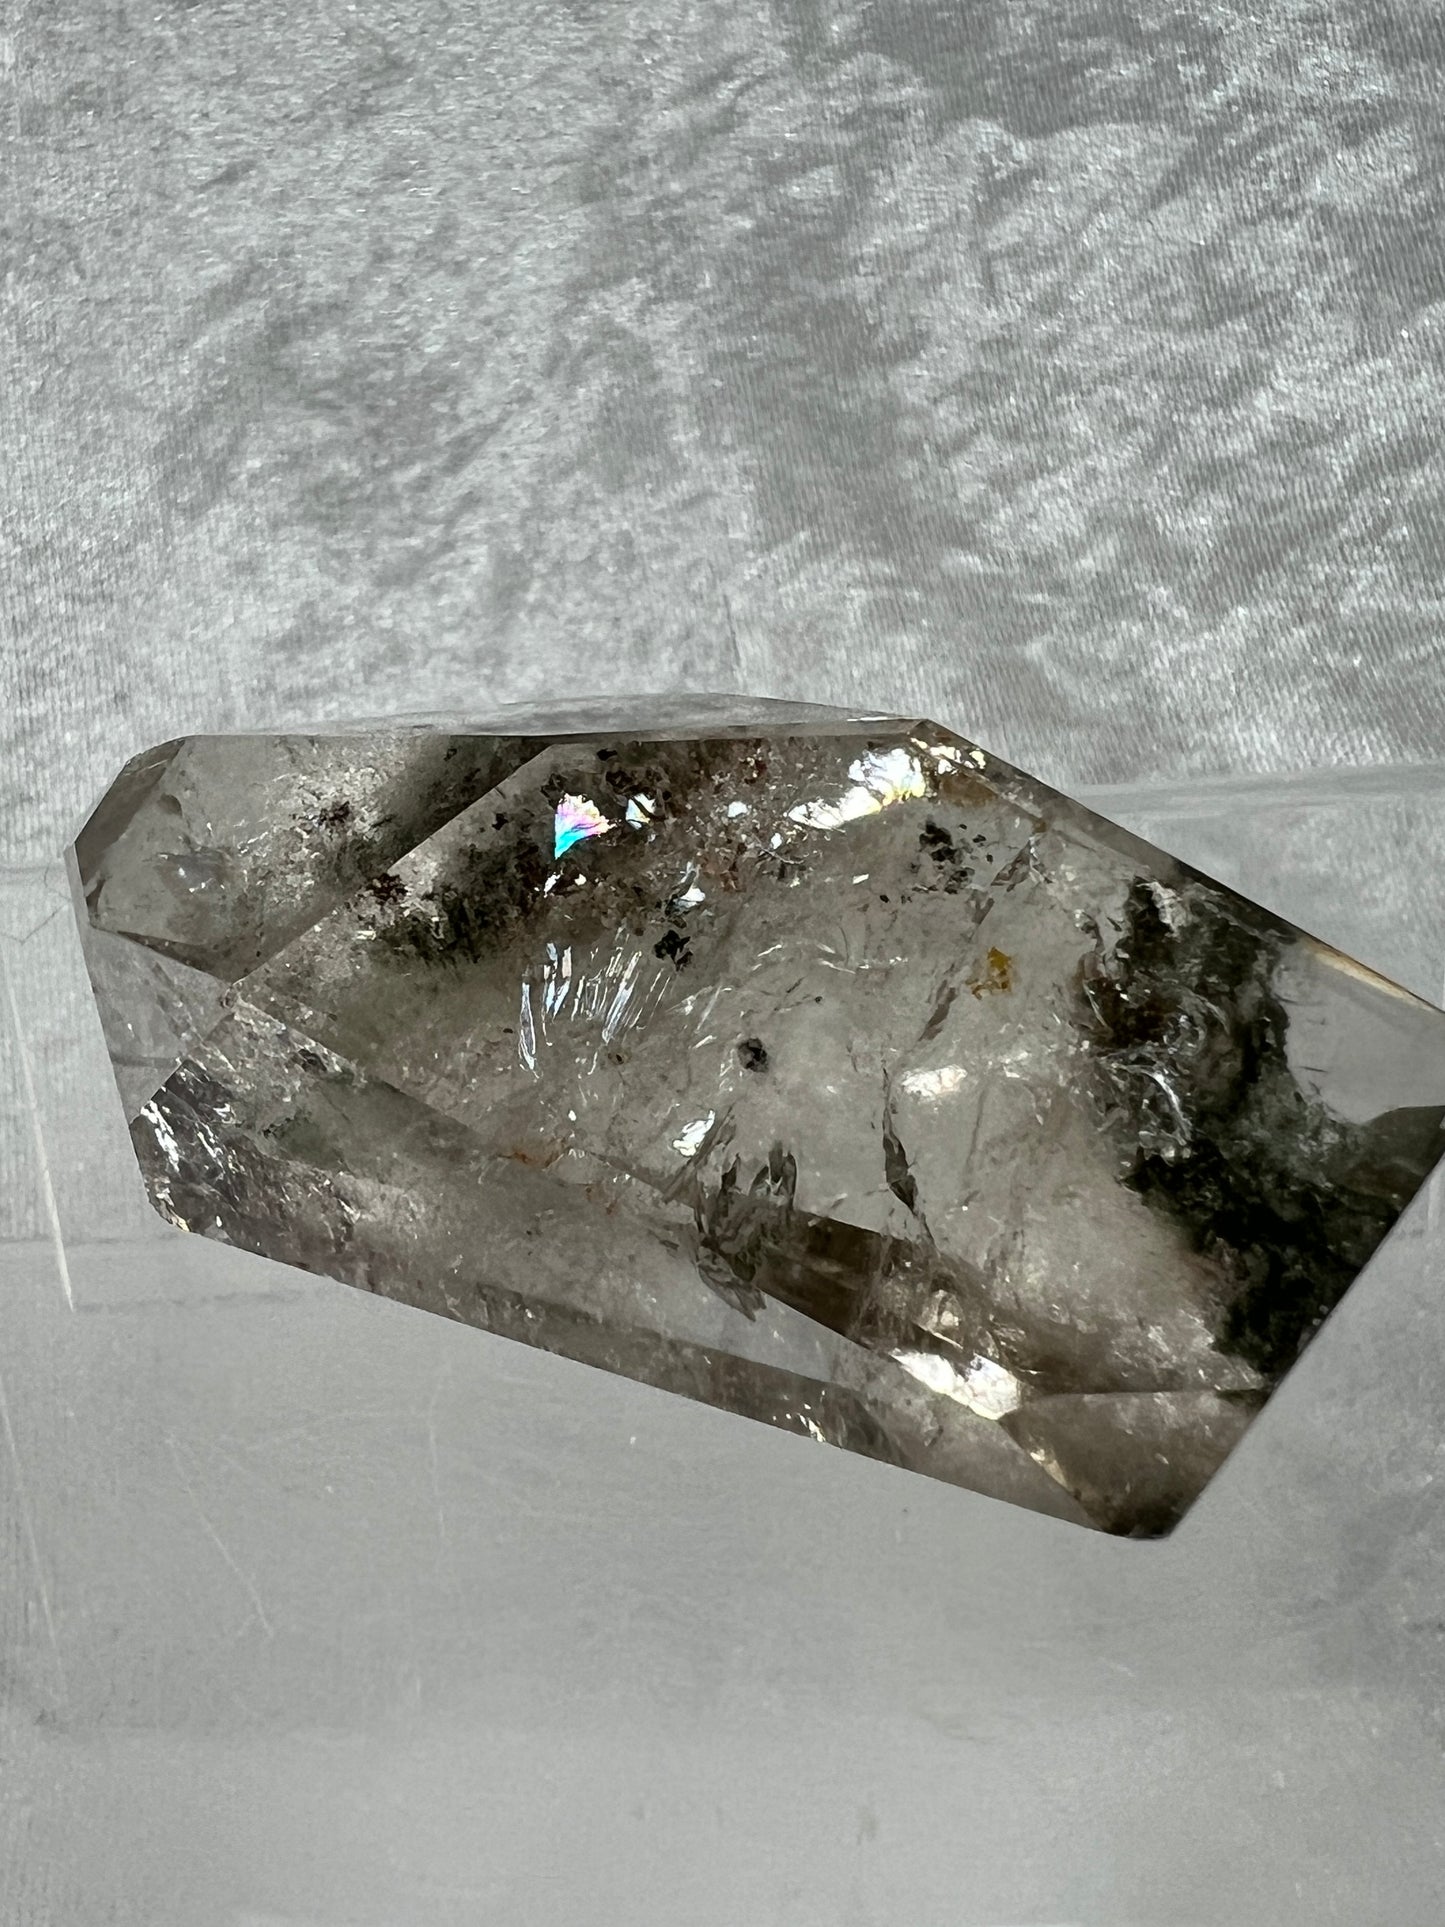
x: 578, y: 817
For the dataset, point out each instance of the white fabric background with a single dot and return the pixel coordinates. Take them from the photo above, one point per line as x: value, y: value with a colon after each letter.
x: 1070, y: 372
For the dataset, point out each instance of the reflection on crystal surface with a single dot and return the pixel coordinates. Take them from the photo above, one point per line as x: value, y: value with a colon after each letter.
x: 822, y: 1068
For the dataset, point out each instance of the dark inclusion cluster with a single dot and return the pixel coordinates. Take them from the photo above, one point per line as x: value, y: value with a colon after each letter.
x: 1289, y: 1203
x: 490, y: 889
x: 492, y: 886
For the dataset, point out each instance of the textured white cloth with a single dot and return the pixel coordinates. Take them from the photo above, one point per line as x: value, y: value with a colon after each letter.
x: 1073, y: 372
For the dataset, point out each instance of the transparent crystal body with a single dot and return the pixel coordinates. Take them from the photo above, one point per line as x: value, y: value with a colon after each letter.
x: 820, y: 1067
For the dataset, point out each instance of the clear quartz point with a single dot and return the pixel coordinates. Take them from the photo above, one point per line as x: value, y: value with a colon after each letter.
x: 815, y: 1065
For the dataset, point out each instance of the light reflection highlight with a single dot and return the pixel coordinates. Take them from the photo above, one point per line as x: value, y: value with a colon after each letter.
x: 691, y: 1136
x: 984, y: 1386
x: 931, y: 1085
x: 880, y: 778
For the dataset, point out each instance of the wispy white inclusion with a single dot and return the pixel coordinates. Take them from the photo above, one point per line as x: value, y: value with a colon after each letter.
x: 527, y: 1031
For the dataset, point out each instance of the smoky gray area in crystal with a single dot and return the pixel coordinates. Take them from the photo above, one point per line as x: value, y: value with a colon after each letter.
x: 814, y: 1065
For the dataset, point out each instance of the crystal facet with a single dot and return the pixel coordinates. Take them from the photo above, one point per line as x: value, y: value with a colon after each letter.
x: 820, y: 1067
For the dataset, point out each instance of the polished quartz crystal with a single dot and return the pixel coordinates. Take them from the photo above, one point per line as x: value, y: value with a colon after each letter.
x: 818, y: 1066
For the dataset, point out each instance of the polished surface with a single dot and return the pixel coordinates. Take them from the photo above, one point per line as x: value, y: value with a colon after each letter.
x: 827, y: 1070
